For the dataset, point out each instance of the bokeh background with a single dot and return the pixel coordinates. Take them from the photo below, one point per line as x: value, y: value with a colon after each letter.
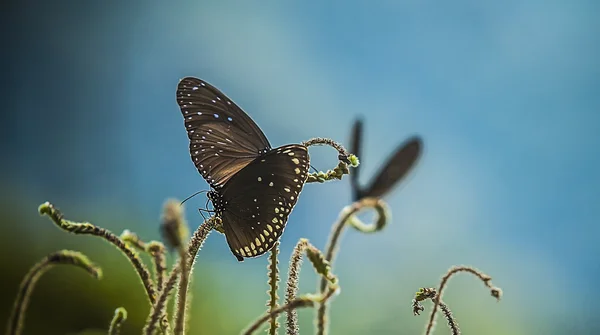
x: 504, y: 94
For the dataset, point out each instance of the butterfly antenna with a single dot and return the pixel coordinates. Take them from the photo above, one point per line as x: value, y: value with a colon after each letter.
x: 312, y: 167
x: 191, y: 196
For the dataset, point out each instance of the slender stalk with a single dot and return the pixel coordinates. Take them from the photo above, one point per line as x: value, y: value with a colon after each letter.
x: 452, y: 324
x: 496, y: 292
x: 347, y: 217
x: 304, y: 301
x: 321, y: 266
x: 86, y: 228
x: 273, y: 274
x: 292, y: 286
x: 158, y: 310
x: 133, y: 239
x: 157, y: 251
x: 431, y: 293
x: 182, y: 291
x: 117, y: 321
x: 15, y: 323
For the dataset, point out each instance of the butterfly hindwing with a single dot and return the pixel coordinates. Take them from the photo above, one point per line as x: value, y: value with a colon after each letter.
x: 396, y: 168
x: 259, y: 199
x: 223, y: 138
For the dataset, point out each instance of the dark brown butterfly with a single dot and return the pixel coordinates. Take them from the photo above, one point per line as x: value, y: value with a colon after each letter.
x: 254, y: 186
x: 396, y: 167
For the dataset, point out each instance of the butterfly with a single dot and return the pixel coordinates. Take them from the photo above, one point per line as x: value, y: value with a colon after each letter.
x: 254, y: 187
x: 397, y: 166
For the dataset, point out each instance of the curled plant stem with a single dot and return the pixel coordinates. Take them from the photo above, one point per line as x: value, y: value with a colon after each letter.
x: 495, y: 292
x: 340, y: 170
x: 133, y: 239
x: 15, y: 323
x: 431, y: 293
x: 309, y: 300
x: 321, y: 266
x: 273, y: 274
x: 117, y: 321
x: 86, y: 228
x: 158, y: 310
x: 347, y: 217
x: 158, y: 252
x: 326, y: 141
x: 337, y: 173
x: 156, y: 249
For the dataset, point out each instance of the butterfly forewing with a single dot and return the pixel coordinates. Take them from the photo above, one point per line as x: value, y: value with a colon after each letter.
x: 260, y: 197
x: 355, y: 148
x: 223, y: 139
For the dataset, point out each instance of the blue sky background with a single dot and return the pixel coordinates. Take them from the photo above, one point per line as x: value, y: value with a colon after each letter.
x: 504, y: 94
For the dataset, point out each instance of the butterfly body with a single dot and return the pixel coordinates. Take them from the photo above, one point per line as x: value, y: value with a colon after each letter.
x: 254, y: 187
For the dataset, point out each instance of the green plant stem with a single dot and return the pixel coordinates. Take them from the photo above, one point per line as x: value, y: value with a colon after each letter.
x: 133, y: 239
x: 86, y: 228
x: 158, y: 252
x: 496, y: 292
x: 292, y: 285
x: 326, y: 141
x: 342, y: 167
x: 301, y: 302
x: 336, y: 174
x: 347, y: 217
x: 158, y: 310
x: 182, y: 292
x: 156, y: 249
x: 452, y: 324
x: 432, y: 294
x: 321, y: 266
x: 273, y: 274
x: 117, y: 321
x: 15, y: 323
